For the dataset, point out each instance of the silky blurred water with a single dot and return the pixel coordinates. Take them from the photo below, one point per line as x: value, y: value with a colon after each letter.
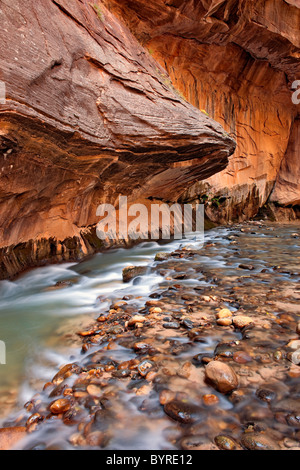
x: 32, y: 310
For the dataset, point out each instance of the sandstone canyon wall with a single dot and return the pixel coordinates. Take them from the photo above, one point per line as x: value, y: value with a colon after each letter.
x: 102, y: 100
x: 89, y: 115
x: 235, y: 60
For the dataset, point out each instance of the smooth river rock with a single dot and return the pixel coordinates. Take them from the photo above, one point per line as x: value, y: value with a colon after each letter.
x: 221, y: 376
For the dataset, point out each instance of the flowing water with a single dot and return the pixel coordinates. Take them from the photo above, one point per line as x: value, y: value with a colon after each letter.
x: 252, y: 269
x: 34, y: 313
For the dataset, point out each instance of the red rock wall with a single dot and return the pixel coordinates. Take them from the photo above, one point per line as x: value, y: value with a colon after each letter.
x: 96, y: 108
x: 236, y: 60
x: 89, y: 115
x: 287, y: 188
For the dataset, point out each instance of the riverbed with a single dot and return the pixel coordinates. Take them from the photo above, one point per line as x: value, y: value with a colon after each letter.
x: 150, y: 376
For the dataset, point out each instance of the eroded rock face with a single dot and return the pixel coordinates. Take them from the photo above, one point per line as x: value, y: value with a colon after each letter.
x: 89, y: 115
x: 235, y: 60
x: 287, y: 187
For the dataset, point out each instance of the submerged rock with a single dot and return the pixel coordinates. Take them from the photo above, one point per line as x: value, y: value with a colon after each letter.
x: 161, y: 256
x: 182, y: 412
x: 132, y: 272
x: 60, y: 406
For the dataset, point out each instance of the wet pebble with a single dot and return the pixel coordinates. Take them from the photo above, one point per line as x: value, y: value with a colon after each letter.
x: 293, y: 420
x: 121, y: 374
x: 65, y: 372
x: 240, y: 321
x: 136, y: 319
x: 33, y: 421
x: 94, y: 390
x: 255, y: 441
x: 188, y: 324
x: 161, y: 256
x: 166, y: 396
x: 132, y: 272
x: 227, y: 443
x: 60, y: 406
x: 145, y: 367
x: 115, y: 330
x: 224, y: 313
x: 242, y: 357
x: 295, y: 357
x: 224, y: 321
x: 248, y: 267
x: 294, y: 344
x: 181, y: 411
x: 210, y: 400
x: 222, y: 376
x: 97, y: 439
x: 193, y: 442
x: 172, y: 325
x: 266, y: 395
x: 225, y: 350
x: 141, y: 346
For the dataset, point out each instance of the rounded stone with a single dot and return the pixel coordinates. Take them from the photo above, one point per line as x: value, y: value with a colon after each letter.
x: 241, y: 357
x: 136, y: 319
x: 295, y: 357
x: 221, y: 376
x: 94, y: 391
x: 224, y: 321
x: 224, y: 313
x: 181, y: 411
x: 226, y: 443
x: 266, y: 395
x: 161, y: 256
x: 294, y: 344
x: 60, y: 406
x: 240, y: 321
x: 254, y: 441
x: 210, y: 400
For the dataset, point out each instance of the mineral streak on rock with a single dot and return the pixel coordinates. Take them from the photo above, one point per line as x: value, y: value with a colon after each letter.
x: 89, y: 115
